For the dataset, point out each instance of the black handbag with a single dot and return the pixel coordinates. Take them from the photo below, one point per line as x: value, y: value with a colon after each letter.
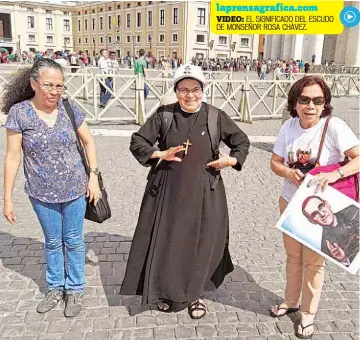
x: 101, y: 212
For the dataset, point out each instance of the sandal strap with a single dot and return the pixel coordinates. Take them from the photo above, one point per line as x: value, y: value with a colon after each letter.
x: 302, y: 327
x: 197, y: 305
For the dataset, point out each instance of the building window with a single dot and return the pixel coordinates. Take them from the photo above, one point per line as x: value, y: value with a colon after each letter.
x: 79, y: 40
x: 118, y: 38
x: 101, y: 9
x: 85, y: 24
x: 31, y: 22
x: 150, y: 18
x: 109, y: 22
x: 79, y: 25
x: 138, y: 38
x: 93, y: 24
x: 85, y: 12
x: 31, y: 37
x: 175, y: 16
x: 67, y: 40
x: 48, y: 11
x: 150, y: 2
x: 161, y: 38
x: 118, y: 7
x: 200, y: 38
x: 101, y: 40
x: 93, y: 11
x: 67, y: 25
x: 109, y: 40
x: 201, y: 16
x: 128, y: 38
x: 109, y: 8
x: 49, y: 39
x: 127, y: 20
x: 149, y: 38
x: 79, y: 13
x: 29, y: 9
x: 66, y: 13
x: 222, y: 40
x: 128, y: 5
x: 101, y: 23
x: 162, y: 17
x: 174, y: 37
x: 138, y: 19
x: 86, y: 40
x: 49, y: 25
x: 244, y: 42
x: 118, y: 20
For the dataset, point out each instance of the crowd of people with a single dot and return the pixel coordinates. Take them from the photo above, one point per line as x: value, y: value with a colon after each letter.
x: 180, y: 247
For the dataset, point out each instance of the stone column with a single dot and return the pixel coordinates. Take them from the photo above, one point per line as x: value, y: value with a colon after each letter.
x: 352, y: 57
x: 316, y: 47
x: 341, y: 46
x: 268, y: 46
x: 276, y: 46
x: 287, y: 42
x: 297, y: 46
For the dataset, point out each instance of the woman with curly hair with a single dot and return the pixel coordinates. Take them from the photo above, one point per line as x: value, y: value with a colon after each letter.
x: 55, y: 178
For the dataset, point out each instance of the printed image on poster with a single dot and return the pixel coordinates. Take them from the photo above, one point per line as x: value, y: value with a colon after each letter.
x: 327, y: 222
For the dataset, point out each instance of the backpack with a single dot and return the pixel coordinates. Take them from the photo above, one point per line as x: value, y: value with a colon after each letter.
x: 212, y: 125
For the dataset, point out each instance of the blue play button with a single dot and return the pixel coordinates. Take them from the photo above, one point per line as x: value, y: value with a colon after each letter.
x: 350, y: 16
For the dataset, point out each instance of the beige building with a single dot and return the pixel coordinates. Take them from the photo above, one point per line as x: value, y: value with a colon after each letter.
x: 32, y: 26
x: 163, y: 28
x: 125, y: 27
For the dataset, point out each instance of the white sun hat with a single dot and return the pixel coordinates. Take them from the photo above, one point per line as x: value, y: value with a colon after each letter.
x: 189, y: 71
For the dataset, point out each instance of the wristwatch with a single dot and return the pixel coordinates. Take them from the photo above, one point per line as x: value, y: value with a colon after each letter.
x: 95, y: 171
x: 341, y: 173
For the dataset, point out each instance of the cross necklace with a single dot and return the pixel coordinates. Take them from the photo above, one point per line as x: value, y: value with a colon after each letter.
x: 187, y: 143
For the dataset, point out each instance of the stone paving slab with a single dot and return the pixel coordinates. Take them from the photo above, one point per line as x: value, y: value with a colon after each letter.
x: 237, y: 310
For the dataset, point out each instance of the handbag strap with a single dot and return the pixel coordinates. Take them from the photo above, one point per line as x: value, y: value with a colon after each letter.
x: 322, y: 140
x: 79, y: 145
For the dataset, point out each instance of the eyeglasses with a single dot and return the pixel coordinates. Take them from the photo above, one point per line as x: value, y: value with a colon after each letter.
x: 195, y: 91
x: 306, y: 100
x: 49, y: 87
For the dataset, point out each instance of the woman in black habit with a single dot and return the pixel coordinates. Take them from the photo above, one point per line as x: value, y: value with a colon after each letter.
x: 180, y: 246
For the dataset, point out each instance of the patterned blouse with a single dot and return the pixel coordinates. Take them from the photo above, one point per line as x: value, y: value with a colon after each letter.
x: 53, y: 169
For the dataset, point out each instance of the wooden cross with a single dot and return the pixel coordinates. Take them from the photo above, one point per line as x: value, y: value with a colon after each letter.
x: 187, y: 144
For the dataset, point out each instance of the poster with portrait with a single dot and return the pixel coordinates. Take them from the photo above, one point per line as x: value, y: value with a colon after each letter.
x: 327, y: 222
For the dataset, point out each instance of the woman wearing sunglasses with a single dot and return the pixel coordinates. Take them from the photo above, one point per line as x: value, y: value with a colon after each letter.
x: 309, y: 105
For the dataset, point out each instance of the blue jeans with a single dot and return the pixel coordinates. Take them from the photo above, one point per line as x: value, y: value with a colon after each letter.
x: 62, y: 224
x: 146, y: 91
x: 105, y: 95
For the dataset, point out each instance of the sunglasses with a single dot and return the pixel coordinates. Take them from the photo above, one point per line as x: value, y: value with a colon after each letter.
x: 306, y: 100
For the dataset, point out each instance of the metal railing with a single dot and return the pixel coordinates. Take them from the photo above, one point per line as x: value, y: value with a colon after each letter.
x: 244, y: 100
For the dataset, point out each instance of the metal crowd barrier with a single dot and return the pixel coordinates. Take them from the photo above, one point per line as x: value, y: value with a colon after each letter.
x: 244, y: 100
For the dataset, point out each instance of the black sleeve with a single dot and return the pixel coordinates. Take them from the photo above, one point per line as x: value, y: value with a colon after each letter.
x: 234, y: 138
x: 142, y: 142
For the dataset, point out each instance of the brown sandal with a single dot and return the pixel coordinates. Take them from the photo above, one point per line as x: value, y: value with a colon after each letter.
x: 195, y: 307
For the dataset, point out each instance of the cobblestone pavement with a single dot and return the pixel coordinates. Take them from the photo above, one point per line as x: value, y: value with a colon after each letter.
x: 237, y: 310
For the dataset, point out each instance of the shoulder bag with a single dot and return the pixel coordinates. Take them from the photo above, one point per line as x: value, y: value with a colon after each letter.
x: 349, y: 186
x: 101, y: 211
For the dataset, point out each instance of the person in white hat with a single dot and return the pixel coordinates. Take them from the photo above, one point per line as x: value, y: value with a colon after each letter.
x: 180, y: 247
x: 170, y: 97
